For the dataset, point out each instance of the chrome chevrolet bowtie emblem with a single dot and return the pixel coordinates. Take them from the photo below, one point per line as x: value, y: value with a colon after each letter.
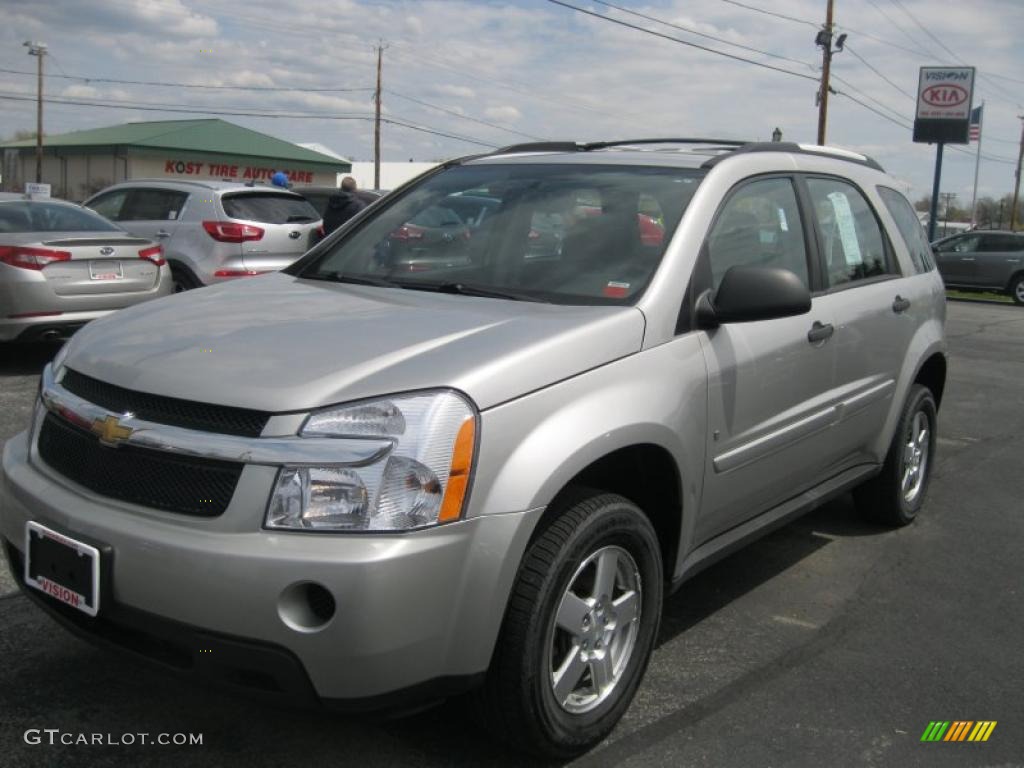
x: 110, y: 431
x: 106, y: 250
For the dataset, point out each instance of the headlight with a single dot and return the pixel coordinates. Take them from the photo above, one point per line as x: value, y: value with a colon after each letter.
x: 421, y: 481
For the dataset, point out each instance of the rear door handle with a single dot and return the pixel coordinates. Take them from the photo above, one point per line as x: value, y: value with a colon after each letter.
x: 820, y: 332
x: 162, y: 233
x: 900, y: 305
x: 967, y: 258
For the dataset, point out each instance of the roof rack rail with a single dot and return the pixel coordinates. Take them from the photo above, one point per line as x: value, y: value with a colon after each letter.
x: 575, y: 146
x: 689, y: 140
x: 800, y: 149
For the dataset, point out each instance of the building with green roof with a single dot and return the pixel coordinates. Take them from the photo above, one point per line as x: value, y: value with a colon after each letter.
x: 79, y: 163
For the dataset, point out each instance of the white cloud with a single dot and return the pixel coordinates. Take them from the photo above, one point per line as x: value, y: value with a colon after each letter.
x: 506, y: 112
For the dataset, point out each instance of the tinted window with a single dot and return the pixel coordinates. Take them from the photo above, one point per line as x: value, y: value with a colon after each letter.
x: 962, y: 244
x: 27, y: 216
x: 1002, y: 243
x: 568, y: 234
x: 154, y: 205
x: 910, y: 228
x: 759, y: 225
x: 268, y: 208
x: 852, y: 242
x: 110, y: 204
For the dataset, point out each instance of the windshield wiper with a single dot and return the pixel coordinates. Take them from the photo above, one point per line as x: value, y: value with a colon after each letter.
x: 468, y: 289
x: 341, y: 277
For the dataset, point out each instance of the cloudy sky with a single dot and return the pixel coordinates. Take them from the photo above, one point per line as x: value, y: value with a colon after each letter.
x: 502, y: 72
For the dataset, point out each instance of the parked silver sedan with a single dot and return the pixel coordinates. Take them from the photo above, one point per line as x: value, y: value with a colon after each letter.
x: 62, y: 265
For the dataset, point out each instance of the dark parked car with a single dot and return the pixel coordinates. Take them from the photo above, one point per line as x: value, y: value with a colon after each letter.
x: 318, y: 196
x: 988, y: 261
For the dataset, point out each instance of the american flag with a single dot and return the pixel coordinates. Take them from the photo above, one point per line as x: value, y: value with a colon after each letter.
x: 975, y: 125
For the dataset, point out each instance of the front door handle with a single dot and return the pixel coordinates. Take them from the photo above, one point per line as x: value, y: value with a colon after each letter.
x: 900, y: 305
x: 967, y: 258
x: 162, y: 233
x: 820, y: 332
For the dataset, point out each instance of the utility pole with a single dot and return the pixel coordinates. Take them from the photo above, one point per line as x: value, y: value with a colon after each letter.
x: 824, y: 41
x: 948, y: 197
x: 376, y: 122
x: 1016, y: 186
x: 39, y: 51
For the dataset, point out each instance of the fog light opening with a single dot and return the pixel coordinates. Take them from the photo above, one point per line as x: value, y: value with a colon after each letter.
x: 306, y: 606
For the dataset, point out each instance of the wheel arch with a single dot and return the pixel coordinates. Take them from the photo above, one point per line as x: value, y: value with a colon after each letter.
x: 932, y: 374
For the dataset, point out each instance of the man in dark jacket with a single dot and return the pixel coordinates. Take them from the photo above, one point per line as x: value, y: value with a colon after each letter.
x: 342, y: 205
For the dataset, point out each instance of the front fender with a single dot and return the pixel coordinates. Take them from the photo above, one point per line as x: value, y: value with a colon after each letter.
x: 532, y: 447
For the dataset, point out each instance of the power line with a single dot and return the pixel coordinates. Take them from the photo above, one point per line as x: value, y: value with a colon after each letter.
x: 684, y: 42
x: 454, y: 113
x: 115, y: 81
x: 249, y: 113
x: 772, y: 13
x: 870, y: 66
x: 703, y: 34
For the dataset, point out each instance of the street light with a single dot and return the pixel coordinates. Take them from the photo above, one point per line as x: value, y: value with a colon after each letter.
x: 38, y: 50
x: 777, y: 135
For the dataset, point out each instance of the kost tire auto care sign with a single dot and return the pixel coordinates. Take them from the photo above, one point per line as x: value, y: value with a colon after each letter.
x: 944, y: 96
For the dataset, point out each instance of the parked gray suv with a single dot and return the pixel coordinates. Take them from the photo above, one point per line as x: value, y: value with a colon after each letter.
x: 983, y: 260
x: 213, y: 231
x: 369, y: 488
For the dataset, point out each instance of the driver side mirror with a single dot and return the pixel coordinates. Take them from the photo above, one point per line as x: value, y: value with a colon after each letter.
x: 747, y: 294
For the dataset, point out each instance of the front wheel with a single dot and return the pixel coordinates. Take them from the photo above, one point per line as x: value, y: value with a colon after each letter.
x: 897, y: 493
x: 578, y: 631
x: 1017, y: 289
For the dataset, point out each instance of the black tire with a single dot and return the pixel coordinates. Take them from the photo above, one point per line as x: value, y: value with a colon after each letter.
x: 183, y: 279
x: 517, y: 703
x: 884, y: 498
x: 1017, y: 289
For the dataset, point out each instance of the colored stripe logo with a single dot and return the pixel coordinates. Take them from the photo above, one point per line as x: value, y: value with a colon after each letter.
x: 958, y: 730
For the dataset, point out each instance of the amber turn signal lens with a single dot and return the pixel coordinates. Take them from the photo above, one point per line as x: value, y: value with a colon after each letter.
x: 458, y: 475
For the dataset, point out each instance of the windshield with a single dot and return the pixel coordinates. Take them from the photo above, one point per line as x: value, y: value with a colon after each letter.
x: 566, y: 234
x: 32, y: 216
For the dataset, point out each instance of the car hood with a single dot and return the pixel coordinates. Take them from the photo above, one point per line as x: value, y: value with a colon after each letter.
x: 277, y: 343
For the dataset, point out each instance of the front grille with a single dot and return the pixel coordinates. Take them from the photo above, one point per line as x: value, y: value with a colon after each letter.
x: 167, y: 410
x: 185, y: 484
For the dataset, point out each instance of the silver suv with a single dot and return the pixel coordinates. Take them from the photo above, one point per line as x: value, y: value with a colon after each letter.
x: 213, y: 230
x: 372, y: 488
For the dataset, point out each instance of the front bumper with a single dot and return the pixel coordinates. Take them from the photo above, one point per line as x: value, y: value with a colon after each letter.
x: 411, y: 608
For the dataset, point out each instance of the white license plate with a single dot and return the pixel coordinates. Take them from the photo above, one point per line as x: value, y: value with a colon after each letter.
x: 63, y: 568
x: 106, y: 270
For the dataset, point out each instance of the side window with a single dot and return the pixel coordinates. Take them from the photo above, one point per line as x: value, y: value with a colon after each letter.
x: 154, y: 205
x: 852, y: 242
x: 758, y: 226
x: 1002, y: 243
x: 910, y: 228
x: 110, y: 204
x: 965, y: 244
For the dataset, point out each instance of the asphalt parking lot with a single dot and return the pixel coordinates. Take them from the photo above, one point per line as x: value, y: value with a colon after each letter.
x: 830, y: 643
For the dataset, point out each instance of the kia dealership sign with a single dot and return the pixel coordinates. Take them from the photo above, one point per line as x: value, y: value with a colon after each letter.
x: 943, y: 104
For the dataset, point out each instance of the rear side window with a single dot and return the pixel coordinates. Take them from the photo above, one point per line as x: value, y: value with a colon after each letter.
x: 1002, y: 243
x: 154, y: 205
x: 910, y: 229
x: 853, y: 247
x: 269, y: 208
x: 758, y: 226
x: 50, y: 217
x: 110, y: 204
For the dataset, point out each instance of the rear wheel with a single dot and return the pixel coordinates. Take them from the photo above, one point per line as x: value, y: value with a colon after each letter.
x: 183, y: 279
x: 896, y: 495
x: 1017, y: 289
x: 578, y: 631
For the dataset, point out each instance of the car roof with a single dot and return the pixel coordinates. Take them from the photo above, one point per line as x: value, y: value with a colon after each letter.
x: 673, y: 153
x: 16, y: 197
x: 189, y: 185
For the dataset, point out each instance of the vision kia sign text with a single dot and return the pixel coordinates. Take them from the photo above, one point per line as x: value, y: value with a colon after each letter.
x: 943, y: 104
